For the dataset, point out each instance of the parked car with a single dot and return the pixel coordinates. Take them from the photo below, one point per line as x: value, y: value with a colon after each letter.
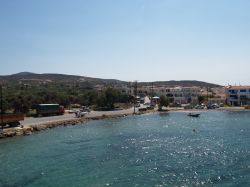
x: 213, y: 106
x: 142, y: 100
x: 81, y: 113
x: 138, y: 105
x: 150, y: 107
x: 199, y: 107
x: 221, y: 104
x: 142, y: 109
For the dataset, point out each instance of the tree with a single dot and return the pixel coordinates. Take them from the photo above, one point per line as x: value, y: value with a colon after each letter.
x: 201, y: 99
x: 107, y: 98
x: 163, y: 101
x: 111, y: 97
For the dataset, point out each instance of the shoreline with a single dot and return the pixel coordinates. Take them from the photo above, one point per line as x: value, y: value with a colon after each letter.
x: 33, y: 128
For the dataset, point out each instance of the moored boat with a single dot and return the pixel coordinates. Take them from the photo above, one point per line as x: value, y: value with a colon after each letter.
x: 193, y: 115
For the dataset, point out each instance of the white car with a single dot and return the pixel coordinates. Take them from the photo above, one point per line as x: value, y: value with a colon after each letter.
x: 80, y: 114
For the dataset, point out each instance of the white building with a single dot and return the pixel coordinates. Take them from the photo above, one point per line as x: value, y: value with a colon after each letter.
x: 238, y: 95
x: 184, y: 95
x: 180, y: 95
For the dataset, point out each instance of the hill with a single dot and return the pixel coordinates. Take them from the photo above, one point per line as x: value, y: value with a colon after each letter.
x: 187, y: 83
x: 33, y: 78
x: 27, y: 77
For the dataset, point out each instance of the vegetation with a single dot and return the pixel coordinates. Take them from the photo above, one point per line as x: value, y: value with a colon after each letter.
x: 20, y: 98
x: 201, y: 99
x: 109, y: 97
x: 23, y: 90
x: 163, y: 101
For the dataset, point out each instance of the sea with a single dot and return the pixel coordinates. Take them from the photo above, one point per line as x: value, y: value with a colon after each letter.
x: 168, y: 149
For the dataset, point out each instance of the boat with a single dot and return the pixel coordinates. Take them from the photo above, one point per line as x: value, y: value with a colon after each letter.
x: 193, y: 115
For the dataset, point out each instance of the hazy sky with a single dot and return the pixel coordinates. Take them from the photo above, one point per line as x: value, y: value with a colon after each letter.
x: 144, y: 40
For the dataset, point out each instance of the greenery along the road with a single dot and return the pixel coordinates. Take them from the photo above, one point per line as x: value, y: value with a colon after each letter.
x: 22, y: 98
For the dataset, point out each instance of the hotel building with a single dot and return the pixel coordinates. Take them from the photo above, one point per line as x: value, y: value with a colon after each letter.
x: 238, y: 95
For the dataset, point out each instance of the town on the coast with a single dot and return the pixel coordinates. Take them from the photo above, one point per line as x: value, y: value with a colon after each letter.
x: 36, y: 102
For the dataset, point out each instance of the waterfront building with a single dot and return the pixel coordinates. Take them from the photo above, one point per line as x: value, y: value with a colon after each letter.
x: 184, y: 95
x: 178, y: 95
x: 218, y: 101
x: 238, y: 95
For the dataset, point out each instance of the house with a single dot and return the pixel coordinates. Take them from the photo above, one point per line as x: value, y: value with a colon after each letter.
x: 238, y: 95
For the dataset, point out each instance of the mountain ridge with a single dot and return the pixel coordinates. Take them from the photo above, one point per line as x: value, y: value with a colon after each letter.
x: 61, y: 78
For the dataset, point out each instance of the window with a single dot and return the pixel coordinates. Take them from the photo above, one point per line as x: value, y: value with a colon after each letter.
x: 233, y: 91
x: 243, y: 90
x: 233, y: 97
x: 243, y: 96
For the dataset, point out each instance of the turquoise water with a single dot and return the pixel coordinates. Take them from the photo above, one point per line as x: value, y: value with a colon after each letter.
x: 150, y: 150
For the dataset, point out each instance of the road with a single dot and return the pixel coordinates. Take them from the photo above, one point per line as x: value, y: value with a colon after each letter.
x: 40, y: 120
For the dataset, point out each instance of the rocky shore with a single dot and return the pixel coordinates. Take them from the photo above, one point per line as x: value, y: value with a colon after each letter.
x: 28, y: 130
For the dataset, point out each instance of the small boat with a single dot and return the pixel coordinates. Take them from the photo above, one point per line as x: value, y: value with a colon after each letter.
x: 193, y: 115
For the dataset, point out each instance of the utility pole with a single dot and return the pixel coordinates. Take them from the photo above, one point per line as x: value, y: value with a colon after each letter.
x: 152, y: 90
x: 129, y: 92
x: 130, y: 88
x: 135, y: 95
x: 1, y: 102
x: 207, y: 94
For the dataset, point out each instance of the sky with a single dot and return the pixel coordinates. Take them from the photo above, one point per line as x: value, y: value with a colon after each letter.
x: 143, y: 40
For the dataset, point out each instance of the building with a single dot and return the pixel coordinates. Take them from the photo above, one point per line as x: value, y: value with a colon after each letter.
x: 238, y: 95
x: 184, y: 95
x: 218, y: 101
x: 178, y: 95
